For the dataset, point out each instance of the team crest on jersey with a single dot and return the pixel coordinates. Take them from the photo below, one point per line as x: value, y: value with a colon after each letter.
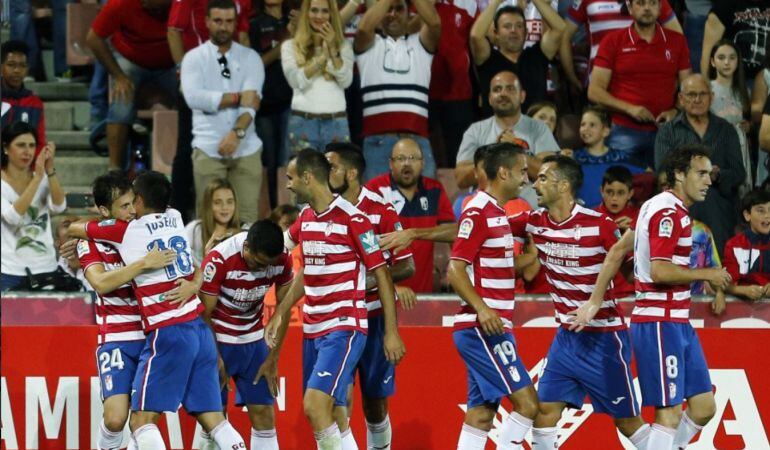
x: 329, y: 228
x: 369, y: 242
x: 466, y: 226
x: 576, y: 4
x: 578, y: 231
x: 666, y: 227
x: 106, y: 223
x: 424, y: 203
x: 398, y: 226
x: 208, y: 272
x: 617, y: 233
x: 82, y: 248
x: 108, y: 382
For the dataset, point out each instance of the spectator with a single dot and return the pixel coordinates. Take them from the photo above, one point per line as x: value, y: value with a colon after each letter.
x: 222, y: 83
x: 218, y: 219
x: 30, y: 194
x: 284, y: 215
x: 187, y: 29
x: 507, y: 124
x: 23, y: 30
x: 529, y: 64
x: 25, y: 105
x: 747, y: 254
x: 617, y: 191
x: 731, y: 98
x: 695, y: 15
x: 640, y: 99
x: 420, y: 202
x: 269, y: 28
x: 318, y: 64
x: 763, y: 160
x: 595, y: 158
x: 745, y: 23
x: 697, y: 125
x: 395, y: 77
x: 545, y: 112
x: 601, y: 18
x: 137, y: 54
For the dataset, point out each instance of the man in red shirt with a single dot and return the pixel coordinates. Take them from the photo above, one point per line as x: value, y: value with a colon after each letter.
x: 421, y: 202
x: 635, y: 75
x: 137, y: 54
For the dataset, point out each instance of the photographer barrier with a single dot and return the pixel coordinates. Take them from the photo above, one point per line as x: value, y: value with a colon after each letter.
x: 50, y: 399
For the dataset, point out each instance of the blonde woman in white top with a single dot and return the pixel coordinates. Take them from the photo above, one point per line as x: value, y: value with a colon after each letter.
x: 318, y: 65
x: 30, y: 193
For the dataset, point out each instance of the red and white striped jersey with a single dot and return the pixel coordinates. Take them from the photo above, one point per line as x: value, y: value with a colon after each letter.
x: 663, y: 232
x: 604, y: 16
x: 338, y: 247
x: 485, y: 242
x: 571, y: 253
x: 384, y: 220
x: 133, y: 240
x: 117, y: 313
x: 237, y: 318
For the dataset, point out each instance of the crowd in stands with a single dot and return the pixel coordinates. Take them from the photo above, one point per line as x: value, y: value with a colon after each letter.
x: 419, y: 87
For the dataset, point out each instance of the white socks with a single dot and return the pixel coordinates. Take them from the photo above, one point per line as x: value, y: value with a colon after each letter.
x: 226, y: 437
x: 472, y: 438
x: 544, y: 438
x: 148, y: 438
x: 348, y: 441
x: 685, y: 432
x: 206, y: 442
x: 329, y: 439
x: 661, y: 437
x: 513, y: 431
x: 109, y: 440
x: 264, y: 439
x: 378, y: 435
x: 641, y: 437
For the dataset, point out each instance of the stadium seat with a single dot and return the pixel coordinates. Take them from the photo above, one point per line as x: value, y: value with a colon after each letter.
x: 79, y: 19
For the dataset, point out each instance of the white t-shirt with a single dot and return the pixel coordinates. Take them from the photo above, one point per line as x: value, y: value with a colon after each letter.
x: 27, y: 241
x: 194, y: 232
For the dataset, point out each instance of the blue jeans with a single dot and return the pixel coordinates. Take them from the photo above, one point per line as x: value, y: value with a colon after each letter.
x: 23, y: 29
x: 98, y: 92
x: 636, y: 144
x: 124, y: 111
x: 60, y: 36
x: 693, y: 32
x: 315, y: 133
x: 12, y: 282
x: 378, y: 148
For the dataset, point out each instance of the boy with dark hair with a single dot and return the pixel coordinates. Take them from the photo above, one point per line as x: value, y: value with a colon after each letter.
x: 617, y: 191
x: 25, y: 105
x: 747, y: 255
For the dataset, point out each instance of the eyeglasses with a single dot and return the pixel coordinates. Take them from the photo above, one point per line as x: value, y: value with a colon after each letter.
x: 404, y: 159
x: 696, y: 95
x: 223, y: 65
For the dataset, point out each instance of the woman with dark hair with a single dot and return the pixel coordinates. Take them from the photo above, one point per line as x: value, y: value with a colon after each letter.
x: 30, y: 193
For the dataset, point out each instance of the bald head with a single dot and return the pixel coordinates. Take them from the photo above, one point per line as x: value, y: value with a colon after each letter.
x: 695, y: 96
x: 505, y: 94
x: 406, y: 162
x: 696, y: 81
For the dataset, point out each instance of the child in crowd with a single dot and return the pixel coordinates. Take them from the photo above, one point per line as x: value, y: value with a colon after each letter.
x: 545, y: 112
x: 747, y: 254
x: 284, y: 215
x: 617, y: 190
x: 596, y: 157
x: 731, y: 98
x: 219, y: 219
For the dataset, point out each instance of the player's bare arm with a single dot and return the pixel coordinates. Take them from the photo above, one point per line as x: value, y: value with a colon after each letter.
x: 399, y: 240
x: 104, y: 281
x: 209, y: 304
x: 185, y: 289
x: 666, y: 272
x: 527, y: 264
x: 393, y: 345
x: 407, y: 297
x: 398, y: 272
x: 275, y: 331
x: 610, y: 268
x: 269, y: 369
x: 458, y: 278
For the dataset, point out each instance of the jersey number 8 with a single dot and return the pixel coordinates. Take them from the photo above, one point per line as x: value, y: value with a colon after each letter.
x: 183, y: 259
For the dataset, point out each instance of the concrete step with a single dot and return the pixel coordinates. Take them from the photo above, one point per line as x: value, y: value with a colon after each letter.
x: 77, y: 140
x: 53, y: 91
x: 59, y: 116
x: 79, y: 170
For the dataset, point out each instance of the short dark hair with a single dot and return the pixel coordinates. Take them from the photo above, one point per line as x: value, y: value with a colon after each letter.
x: 679, y: 159
x: 757, y: 196
x: 10, y: 133
x: 9, y: 47
x: 283, y: 210
x: 313, y: 161
x: 508, y: 9
x: 568, y: 169
x: 108, y: 187
x: 621, y: 174
x: 265, y: 237
x: 351, y: 155
x: 154, y: 188
x: 481, y: 154
x: 600, y: 112
x: 220, y: 4
x: 536, y: 107
x: 499, y: 155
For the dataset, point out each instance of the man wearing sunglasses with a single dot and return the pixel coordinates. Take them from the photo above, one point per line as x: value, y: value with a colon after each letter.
x: 222, y: 83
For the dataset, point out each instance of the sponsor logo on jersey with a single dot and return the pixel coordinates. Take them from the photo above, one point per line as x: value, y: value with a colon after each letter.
x: 208, y: 272
x: 369, y: 242
x: 666, y: 227
x: 466, y: 227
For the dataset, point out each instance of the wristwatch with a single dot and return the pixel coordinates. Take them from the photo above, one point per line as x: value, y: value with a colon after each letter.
x: 240, y: 133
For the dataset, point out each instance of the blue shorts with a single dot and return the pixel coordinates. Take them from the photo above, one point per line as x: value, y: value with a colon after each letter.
x: 494, y: 368
x: 593, y: 363
x: 670, y: 362
x: 329, y: 362
x: 376, y: 374
x: 178, y: 366
x: 116, y: 363
x: 242, y: 362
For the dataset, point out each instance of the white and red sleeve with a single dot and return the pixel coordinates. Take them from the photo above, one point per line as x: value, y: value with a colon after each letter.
x: 665, y: 229
x: 213, y: 267
x: 111, y: 231
x: 471, y: 234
